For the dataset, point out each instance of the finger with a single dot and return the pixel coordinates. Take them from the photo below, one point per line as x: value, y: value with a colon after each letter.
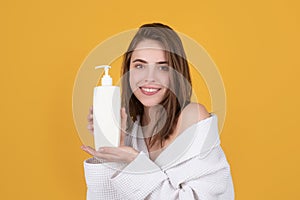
x: 123, y: 154
x: 90, y: 117
x: 107, y: 157
x: 99, y: 155
x: 110, y: 150
x: 110, y: 158
x: 90, y: 128
x: 89, y: 150
x: 117, y: 151
x: 111, y: 154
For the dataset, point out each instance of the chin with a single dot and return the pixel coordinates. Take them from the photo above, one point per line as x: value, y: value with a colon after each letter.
x: 149, y: 104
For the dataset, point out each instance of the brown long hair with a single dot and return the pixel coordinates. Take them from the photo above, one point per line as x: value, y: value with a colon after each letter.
x: 179, y: 93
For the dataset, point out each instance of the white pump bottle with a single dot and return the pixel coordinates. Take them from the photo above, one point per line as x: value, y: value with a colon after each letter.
x: 106, y: 112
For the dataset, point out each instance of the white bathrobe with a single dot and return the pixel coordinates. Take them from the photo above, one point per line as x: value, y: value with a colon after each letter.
x: 193, y: 166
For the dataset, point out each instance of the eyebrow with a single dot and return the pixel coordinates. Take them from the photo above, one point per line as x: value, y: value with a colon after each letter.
x: 143, y: 61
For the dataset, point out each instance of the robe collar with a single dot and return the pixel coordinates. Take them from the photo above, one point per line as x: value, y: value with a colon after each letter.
x: 197, y: 140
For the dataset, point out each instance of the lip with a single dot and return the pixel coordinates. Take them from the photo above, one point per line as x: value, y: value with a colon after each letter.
x: 149, y: 90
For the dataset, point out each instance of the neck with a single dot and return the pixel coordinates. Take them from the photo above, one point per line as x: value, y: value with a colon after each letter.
x: 150, y: 118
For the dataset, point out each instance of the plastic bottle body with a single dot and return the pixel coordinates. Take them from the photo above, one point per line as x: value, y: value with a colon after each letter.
x: 106, y: 113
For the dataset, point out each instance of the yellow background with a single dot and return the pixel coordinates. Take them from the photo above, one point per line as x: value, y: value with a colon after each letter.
x: 255, y: 45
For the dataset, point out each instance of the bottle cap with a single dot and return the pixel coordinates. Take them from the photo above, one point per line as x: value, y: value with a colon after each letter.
x: 106, y: 80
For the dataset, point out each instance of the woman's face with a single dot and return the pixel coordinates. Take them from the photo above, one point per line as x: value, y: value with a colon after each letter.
x: 149, y: 72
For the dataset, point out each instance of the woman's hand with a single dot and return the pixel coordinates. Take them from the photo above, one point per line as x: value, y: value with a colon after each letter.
x: 112, y: 154
x: 90, y: 119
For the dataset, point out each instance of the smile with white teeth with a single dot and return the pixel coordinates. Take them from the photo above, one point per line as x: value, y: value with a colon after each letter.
x: 150, y: 89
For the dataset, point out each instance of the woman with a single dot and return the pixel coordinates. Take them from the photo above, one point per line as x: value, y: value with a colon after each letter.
x: 170, y: 147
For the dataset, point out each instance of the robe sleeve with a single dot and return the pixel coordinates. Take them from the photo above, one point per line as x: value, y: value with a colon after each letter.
x: 97, y: 177
x: 204, y: 178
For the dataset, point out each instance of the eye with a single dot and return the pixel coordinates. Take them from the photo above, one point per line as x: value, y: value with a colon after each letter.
x: 164, y: 68
x: 139, y: 66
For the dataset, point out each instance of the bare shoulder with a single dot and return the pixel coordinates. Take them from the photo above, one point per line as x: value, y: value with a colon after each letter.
x: 191, y: 114
x: 195, y: 111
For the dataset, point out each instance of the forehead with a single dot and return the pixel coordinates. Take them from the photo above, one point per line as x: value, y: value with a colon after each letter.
x: 150, y: 51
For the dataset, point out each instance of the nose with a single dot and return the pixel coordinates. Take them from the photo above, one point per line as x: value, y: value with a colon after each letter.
x: 150, y: 74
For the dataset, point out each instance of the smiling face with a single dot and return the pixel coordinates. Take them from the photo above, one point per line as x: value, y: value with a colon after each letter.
x: 149, y: 72
x: 144, y: 74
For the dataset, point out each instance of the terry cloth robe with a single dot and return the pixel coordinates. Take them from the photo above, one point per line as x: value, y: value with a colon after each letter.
x: 193, y: 166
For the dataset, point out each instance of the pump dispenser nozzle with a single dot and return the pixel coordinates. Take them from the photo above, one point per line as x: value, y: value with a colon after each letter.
x: 106, y: 79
